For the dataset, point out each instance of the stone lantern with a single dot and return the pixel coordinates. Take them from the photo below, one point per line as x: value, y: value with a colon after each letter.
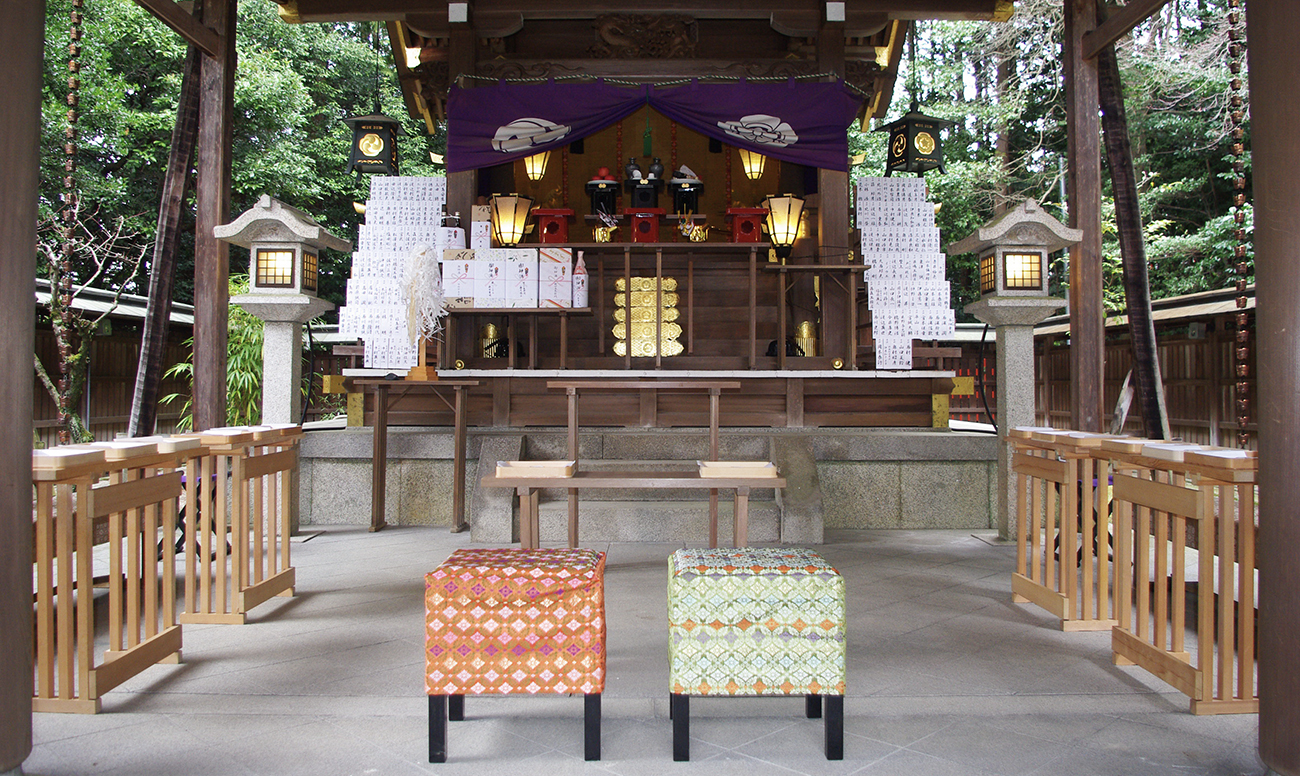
x: 283, y: 248
x: 1013, y: 249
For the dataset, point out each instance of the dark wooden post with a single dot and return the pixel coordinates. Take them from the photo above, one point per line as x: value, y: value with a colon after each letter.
x: 22, y: 39
x: 212, y: 196
x: 1087, y: 314
x: 1275, y: 111
x: 833, y: 219
x: 462, y: 187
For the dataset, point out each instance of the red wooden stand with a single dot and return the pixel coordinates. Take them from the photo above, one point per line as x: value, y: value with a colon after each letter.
x: 746, y: 223
x: 645, y: 224
x: 553, y: 224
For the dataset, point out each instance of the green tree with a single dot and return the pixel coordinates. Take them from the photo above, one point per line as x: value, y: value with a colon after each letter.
x: 295, y: 84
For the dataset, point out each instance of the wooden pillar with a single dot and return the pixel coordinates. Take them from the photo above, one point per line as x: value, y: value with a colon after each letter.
x: 833, y: 219
x: 462, y: 187
x: 21, y: 48
x: 1275, y: 109
x: 212, y: 198
x: 1087, y: 314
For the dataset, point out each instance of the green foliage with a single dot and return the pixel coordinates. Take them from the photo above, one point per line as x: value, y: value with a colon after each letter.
x: 294, y: 85
x: 1000, y: 82
x: 1174, y: 69
x: 243, y: 367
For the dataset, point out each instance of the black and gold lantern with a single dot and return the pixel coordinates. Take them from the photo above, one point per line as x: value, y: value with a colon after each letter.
x: 374, y: 144
x: 915, y: 144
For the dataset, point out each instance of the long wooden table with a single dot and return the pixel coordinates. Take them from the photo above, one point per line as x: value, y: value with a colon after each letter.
x: 379, y: 470
x: 529, y: 489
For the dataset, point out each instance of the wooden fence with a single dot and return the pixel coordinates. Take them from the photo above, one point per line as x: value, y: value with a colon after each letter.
x: 110, y: 385
x: 1196, y: 362
x: 1182, y: 556
x: 106, y: 516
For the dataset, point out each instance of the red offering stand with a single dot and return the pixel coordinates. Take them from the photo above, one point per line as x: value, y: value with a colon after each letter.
x: 746, y: 223
x: 553, y: 224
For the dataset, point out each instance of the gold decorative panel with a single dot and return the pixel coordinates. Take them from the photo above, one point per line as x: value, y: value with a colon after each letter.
x: 643, y: 314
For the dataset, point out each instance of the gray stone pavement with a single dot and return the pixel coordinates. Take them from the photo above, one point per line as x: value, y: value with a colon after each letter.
x: 946, y: 676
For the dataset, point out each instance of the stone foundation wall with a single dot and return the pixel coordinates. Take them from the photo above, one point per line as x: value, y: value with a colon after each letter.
x: 838, y: 478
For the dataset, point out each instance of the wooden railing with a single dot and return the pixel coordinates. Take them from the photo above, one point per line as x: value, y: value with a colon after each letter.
x: 126, y: 493
x: 1183, y: 554
x: 243, y: 489
x: 1061, y: 514
x: 106, y: 515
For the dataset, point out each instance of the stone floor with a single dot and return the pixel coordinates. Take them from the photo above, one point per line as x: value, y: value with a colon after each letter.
x: 946, y: 676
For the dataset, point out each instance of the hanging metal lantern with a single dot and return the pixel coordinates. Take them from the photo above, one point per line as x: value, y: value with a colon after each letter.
x: 915, y: 144
x: 374, y: 144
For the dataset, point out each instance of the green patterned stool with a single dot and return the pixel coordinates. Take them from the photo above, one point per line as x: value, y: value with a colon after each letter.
x: 755, y: 621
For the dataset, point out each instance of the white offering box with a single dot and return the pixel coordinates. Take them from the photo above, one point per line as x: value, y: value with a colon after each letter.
x: 489, y: 281
x: 555, y: 277
x: 458, y: 269
x: 521, y: 293
x: 480, y: 235
x: 449, y: 237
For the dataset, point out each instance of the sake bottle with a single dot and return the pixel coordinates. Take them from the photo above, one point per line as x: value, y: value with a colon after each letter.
x: 580, y: 283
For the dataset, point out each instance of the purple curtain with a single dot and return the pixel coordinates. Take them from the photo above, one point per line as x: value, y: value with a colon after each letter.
x: 801, y: 122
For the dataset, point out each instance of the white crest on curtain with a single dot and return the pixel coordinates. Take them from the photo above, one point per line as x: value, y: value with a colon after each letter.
x: 762, y: 129
x: 525, y: 133
x: 422, y: 292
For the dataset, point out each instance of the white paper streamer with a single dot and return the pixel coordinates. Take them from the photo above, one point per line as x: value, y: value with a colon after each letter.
x: 422, y: 292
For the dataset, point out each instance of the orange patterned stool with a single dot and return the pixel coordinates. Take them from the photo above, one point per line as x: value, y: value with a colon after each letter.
x: 514, y: 621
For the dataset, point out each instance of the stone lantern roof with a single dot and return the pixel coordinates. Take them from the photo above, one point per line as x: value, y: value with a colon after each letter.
x: 1026, y: 224
x: 272, y: 221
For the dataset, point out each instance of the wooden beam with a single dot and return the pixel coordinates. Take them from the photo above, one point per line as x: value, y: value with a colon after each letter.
x: 1121, y: 22
x: 1083, y: 129
x: 493, y: 11
x: 212, y: 208
x: 1272, y: 29
x: 183, y: 24
x: 22, y: 41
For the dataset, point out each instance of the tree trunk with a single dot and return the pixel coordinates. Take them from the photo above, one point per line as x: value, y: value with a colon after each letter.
x: 1128, y: 220
x: 162, y: 276
x: 1006, y: 74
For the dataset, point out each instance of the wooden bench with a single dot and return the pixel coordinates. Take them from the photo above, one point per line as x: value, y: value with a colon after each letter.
x: 529, y: 489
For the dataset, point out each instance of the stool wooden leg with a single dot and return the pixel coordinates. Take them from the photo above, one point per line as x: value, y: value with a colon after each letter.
x: 456, y: 708
x: 591, y: 726
x: 437, y: 728
x: 680, y: 708
x: 812, y: 706
x: 834, y: 727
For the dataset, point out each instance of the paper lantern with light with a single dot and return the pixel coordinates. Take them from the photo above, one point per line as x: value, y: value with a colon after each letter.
x: 752, y: 162
x: 374, y: 144
x: 509, y: 218
x: 783, y: 214
x: 535, y: 165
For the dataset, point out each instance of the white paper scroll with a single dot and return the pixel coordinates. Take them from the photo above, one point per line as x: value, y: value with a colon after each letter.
x: 907, y: 290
